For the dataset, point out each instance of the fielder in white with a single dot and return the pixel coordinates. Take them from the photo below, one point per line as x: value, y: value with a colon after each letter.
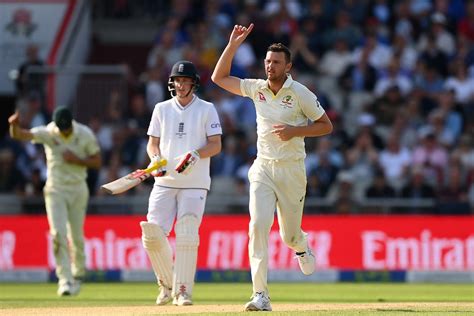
x: 277, y: 177
x: 186, y: 131
x: 70, y: 149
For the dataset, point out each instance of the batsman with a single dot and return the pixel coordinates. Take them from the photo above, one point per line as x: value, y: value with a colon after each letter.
x: 185, y: 130
x: 70, y: 148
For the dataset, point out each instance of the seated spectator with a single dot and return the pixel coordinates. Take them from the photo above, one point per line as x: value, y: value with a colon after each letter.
x: 464, y: 153
x: 431, y: 56
x: 35, y: 184
x: 430, y: 156
x: 336, y: 60
x: 444, y: 39
x: 359, y: 76
x: 465, y: 26
x: 366, y: 124
x: 343, y: 194
x: 303, y: 59
x: 444, y: 134
x: 394, y: 161
x: 429, y: 82
x: 362, y: 160
x: 417, y: 188
x: 405, y: 52
x: 324, y: 147
x: 343, y: 29
x: 393, y: 76
x: 452, y: 198
x: 379, y: 188
x: 322, y: 176
x: 11, y: 179
x: 404, y: 126
x: 386, y: 107
x: 462, y: 85
x: 379, y: 54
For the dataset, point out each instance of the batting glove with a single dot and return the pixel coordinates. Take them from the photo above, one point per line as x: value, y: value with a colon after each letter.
x: 187, y: 161
x: 161, y: 171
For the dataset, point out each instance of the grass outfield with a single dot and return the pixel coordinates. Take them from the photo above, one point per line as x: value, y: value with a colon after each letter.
x: 228, y: 298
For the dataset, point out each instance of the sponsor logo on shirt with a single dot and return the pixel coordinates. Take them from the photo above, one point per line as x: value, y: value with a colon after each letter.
x: 287, y: 102
x: 181, y: 132
x: 215, y: 125
x: 261, y: 97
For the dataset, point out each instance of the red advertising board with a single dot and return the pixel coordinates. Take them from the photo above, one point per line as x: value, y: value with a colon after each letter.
x: 339, y: 242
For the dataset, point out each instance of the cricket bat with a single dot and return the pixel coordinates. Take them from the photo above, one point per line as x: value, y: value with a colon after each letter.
x: 131, y: 180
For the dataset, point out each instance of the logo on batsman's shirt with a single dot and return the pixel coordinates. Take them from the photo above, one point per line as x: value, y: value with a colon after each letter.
x: 181, y: 132
x: 261, y: 97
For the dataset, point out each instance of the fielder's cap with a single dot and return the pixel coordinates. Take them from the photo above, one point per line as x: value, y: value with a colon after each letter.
x: 62, y: 116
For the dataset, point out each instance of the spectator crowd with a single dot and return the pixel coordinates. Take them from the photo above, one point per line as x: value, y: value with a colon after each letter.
x: 395, y: 77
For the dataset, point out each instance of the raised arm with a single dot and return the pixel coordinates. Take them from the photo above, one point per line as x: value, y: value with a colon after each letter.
x: 16, y: 132
x: 221, y: 75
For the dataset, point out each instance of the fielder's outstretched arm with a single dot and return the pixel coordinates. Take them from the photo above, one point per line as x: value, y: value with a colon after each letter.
x: 221, y: 75
x: 16, y: 132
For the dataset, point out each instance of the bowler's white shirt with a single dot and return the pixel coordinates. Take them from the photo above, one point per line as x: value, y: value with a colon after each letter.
x: 182, y: 129
x: 293, y: 105
x: 81, y: 142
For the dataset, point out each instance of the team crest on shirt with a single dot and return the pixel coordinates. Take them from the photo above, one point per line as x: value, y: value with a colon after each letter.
x: 287, y: 102
x: 181, y: 131
x: 261, y: 97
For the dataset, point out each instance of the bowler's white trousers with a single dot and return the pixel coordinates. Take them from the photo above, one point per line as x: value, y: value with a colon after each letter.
x: 66, y: 209
x: 280, y: 185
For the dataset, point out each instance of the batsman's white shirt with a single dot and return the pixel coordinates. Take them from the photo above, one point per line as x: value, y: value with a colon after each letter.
x: 81, y: 142
x: 293, y: 105
x: 182, y: 129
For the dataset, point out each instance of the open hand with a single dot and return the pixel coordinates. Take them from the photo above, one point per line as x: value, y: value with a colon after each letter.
x: 240, y: 33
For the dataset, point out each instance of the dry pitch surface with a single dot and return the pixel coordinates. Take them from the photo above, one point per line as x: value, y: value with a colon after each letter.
x: 323, y: 308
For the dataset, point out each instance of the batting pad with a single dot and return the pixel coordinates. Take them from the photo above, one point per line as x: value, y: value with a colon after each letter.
x: 159, y: 252
x: 187, y: 241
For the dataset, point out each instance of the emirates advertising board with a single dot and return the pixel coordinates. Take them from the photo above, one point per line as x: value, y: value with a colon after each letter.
x: 423, y: 243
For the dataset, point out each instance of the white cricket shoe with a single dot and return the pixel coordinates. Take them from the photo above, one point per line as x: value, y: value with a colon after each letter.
x: 182, y: 299
x: 307, y: 261
x: 64, y: 289
x: 76, y: 287
x: 164, y: 297
x: 69, y: 288
x: 260, y: 302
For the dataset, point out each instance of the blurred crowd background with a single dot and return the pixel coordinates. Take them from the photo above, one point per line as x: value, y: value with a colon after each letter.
x: 395, y: 77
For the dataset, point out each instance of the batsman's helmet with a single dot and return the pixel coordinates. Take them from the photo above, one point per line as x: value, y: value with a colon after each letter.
x: 183, y: 68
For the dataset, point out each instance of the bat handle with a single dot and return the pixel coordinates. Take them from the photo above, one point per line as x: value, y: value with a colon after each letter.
x: 159, y: 164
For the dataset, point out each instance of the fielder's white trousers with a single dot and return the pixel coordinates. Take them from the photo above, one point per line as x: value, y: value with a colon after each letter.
x: 66, y: 210
x: 279, y: 185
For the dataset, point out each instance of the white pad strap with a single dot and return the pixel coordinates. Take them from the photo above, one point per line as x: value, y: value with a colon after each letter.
x: 159, y: 252
x: 187, y: 242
